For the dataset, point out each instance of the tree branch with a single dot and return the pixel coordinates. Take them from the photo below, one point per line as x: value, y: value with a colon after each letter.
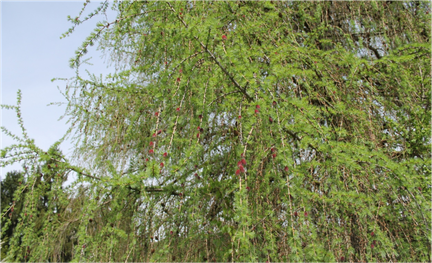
x: 243, y: 90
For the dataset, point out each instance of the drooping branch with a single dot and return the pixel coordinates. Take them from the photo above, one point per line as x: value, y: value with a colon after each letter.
x: 213, y: 57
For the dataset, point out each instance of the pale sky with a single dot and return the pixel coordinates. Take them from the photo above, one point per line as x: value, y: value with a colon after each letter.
x: 32, y: 54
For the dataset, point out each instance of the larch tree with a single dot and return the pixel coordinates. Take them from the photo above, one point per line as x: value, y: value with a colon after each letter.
x: 9, y: 184
x: 241, y: 131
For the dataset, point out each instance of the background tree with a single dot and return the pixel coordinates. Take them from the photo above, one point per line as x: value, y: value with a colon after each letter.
x: 252, y: 131
x: 10, y: 209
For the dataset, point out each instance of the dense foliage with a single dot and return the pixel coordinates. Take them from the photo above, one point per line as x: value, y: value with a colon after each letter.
x: 240, y: 131
x: 9, y: 185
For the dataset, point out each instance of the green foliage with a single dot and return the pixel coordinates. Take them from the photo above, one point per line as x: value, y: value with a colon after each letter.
x: 10, y: 208
x: 3, y: 250
x: 293, y: 131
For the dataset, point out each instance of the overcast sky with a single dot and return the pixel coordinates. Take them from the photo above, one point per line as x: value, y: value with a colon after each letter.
x: 32, y: 54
